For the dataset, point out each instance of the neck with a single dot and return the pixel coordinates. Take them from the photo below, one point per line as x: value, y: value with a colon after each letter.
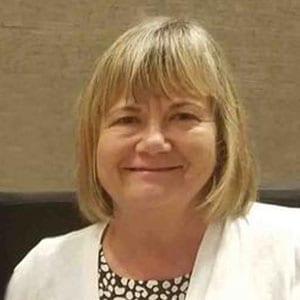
x: 159, y: 228
x: 153, y: 238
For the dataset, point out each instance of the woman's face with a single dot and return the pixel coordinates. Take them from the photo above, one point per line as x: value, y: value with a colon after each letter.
x: 156, y: 151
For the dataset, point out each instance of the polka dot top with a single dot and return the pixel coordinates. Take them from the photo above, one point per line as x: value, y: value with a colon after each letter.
x: 113, y: 286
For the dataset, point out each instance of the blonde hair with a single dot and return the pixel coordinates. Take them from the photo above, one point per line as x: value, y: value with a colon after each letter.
x: 168, y: 54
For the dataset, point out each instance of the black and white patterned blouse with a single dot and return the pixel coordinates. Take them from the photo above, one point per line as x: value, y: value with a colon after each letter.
x: 112, y: 286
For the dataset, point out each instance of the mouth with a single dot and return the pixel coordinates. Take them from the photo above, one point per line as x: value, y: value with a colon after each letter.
x: 142, y: 169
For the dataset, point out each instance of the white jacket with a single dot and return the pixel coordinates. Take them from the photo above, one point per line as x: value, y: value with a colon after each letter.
x: 251, y: 258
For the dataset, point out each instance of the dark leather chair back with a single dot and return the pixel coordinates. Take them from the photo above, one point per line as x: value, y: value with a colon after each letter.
x: 26, y: 218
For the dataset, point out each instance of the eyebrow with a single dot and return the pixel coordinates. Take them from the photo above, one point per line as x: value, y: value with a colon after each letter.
x: 127, y: 108
x: 189, y: 103
x: 137, y: 108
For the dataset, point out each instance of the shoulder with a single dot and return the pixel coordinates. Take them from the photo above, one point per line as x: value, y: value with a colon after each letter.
x: 269, y: 219
x: 272, y: 222
x: 72, y: 241
x: 269, y: 236
x: 271, y: 213
x: 58, y: 246
x: 48, y: 259
x: 270, y: 232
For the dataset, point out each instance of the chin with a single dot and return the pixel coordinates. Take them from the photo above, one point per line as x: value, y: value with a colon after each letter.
x: 150, y: 194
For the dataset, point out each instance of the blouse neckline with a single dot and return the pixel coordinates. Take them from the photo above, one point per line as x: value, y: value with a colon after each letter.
x: 200, y: 276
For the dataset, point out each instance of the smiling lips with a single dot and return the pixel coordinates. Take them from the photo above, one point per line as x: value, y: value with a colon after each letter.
x: 143, y: 169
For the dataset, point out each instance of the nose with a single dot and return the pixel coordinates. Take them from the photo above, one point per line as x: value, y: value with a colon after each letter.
x: 153, y: 141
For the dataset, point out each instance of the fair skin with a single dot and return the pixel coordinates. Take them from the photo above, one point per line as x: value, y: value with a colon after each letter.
x: 154, y: 159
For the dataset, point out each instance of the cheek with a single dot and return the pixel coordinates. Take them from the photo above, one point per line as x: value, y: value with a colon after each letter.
x: 106, y: 161
x: 203, y: 140
x: 105, y: 157
x: 204, y: 154
x: 201, y: 150
x: 110, y: 153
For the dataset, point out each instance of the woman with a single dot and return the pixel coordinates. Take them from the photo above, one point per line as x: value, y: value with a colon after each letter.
x: 167, y: 178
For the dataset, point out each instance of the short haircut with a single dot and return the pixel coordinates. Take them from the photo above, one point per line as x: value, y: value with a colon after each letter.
x: 168, y: 54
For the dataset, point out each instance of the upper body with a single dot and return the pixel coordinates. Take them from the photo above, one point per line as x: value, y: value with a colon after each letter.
x: 254, y: 257
x: 163, y: 156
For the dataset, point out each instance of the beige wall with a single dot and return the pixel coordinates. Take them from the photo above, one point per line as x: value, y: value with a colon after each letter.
x: 48, y: 48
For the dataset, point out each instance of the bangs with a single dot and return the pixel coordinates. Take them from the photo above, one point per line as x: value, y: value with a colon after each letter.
x: 167, y: 61
x: 165, y: 70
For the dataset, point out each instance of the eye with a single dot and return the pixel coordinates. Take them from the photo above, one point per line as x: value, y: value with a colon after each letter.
x: 184, y: 116
x: 126, y: 120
